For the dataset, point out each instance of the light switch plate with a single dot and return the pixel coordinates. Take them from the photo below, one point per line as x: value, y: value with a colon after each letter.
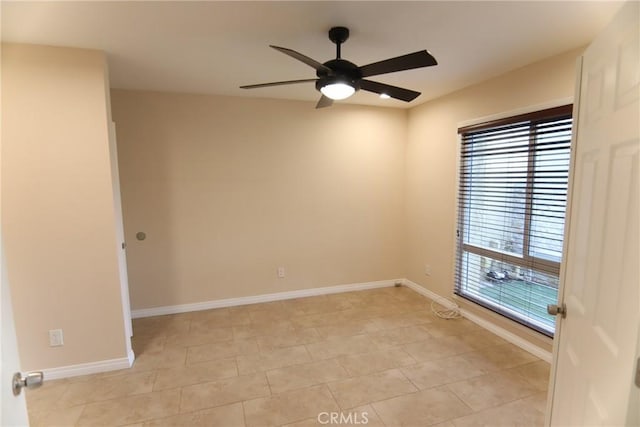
x: 56, y: 338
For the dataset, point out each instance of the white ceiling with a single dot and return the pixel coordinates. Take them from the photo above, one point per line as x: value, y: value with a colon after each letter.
x: 214, y: 47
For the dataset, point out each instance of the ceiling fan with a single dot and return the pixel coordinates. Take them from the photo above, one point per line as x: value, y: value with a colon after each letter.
x: 339, y: 78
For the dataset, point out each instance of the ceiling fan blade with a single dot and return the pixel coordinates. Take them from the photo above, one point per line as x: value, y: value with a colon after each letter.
x: 303, y: 58
x: 288, y: 82
x: 324, y: 102
x: 400, y: 63
x: 393, y: 91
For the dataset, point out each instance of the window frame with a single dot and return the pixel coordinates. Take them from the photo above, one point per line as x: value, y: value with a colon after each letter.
x: 525, y: 260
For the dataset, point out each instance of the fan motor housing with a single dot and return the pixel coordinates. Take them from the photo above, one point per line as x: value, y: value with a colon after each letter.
x: 343, y: 71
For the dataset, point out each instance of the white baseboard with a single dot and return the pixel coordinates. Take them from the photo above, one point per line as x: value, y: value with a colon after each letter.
x: 131, y: 357
x: 511, y: 337
x: 279, y: 296
x: 488, y: 325
x: 89, y: 368
x: 429, y: 294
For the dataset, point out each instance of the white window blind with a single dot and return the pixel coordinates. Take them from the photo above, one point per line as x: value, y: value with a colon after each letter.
x: 512, y: 199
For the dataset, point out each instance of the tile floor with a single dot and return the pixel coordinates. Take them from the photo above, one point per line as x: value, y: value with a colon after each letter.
x: 378, y: 356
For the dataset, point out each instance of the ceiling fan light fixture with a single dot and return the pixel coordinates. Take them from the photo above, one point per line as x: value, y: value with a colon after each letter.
x: 339, y: 79
x: 337, y: 90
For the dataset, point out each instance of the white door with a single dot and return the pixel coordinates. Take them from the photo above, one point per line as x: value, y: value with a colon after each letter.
x: 596, y: 345
x: 122, y: 257
x: 13, y: 409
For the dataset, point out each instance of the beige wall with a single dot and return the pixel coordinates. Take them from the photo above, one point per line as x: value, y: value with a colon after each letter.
x: 58, y: 215
x: 226, y: 189
x: 229, y: 189
x: 431, y: 166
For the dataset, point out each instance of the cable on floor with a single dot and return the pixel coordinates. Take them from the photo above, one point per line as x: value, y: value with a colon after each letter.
x: 445, y: 308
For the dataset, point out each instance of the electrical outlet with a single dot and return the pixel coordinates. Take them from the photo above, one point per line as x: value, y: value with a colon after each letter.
x: 427, y: 269
x: 56, y: 338
x: 281, y: 272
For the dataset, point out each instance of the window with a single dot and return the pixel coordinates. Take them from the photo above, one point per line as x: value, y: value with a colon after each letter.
x: 513, y: 193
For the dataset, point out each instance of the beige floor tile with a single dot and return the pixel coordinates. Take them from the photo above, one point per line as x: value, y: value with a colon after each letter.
x: 105, y: 388
x: 274, y: 327
x: 416, y: 306
x: 537, y: 401
x: 500, y: 357
x: 162, y: 325
x: 424, y: 408
x: 200, y: 337
x: 143, y: 343
x: 362, y: 313
x: 170, y: 357
x: 194, y: 374
x: 398, y: 336
x: 340, y: 346
x: 308, y: 374
x: 513, y: 414
x: 436, y: 348
x: 219, y: 318
x: 222, y: 350
x: 81, y: 392
x: 343, y: 298
x: 46, y: 398
x: 403, y: 320
x: 491, y: 389
x: 368, y: 348
x: 404, y: 293
x: 315, y: 305
x: 275, y: 306
x: 446, y: 327
x: 222, y: 416
x: 370, y: 309
x: 290, y: 339
x: 56, y: 417
x: 362, y: 416
x: 536, y: 374
x: 222, y: 392
x: 317, y: 320
x: 382, y: 360
x: 201, y: 325
x: 480, y: 339
x: 101, y: 375
x: 370, y: 388
x: 441, y: 371
x: 289, y: 407
x: 278, y: 358
x: 347, y: 329
x: 131, y: 409
x: 241, y: 310
x: 268, y: 316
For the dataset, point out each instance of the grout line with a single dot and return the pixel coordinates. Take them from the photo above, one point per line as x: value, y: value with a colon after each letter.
x: 409, y: 379
x: 377, y: 414
x: 244, y: 413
